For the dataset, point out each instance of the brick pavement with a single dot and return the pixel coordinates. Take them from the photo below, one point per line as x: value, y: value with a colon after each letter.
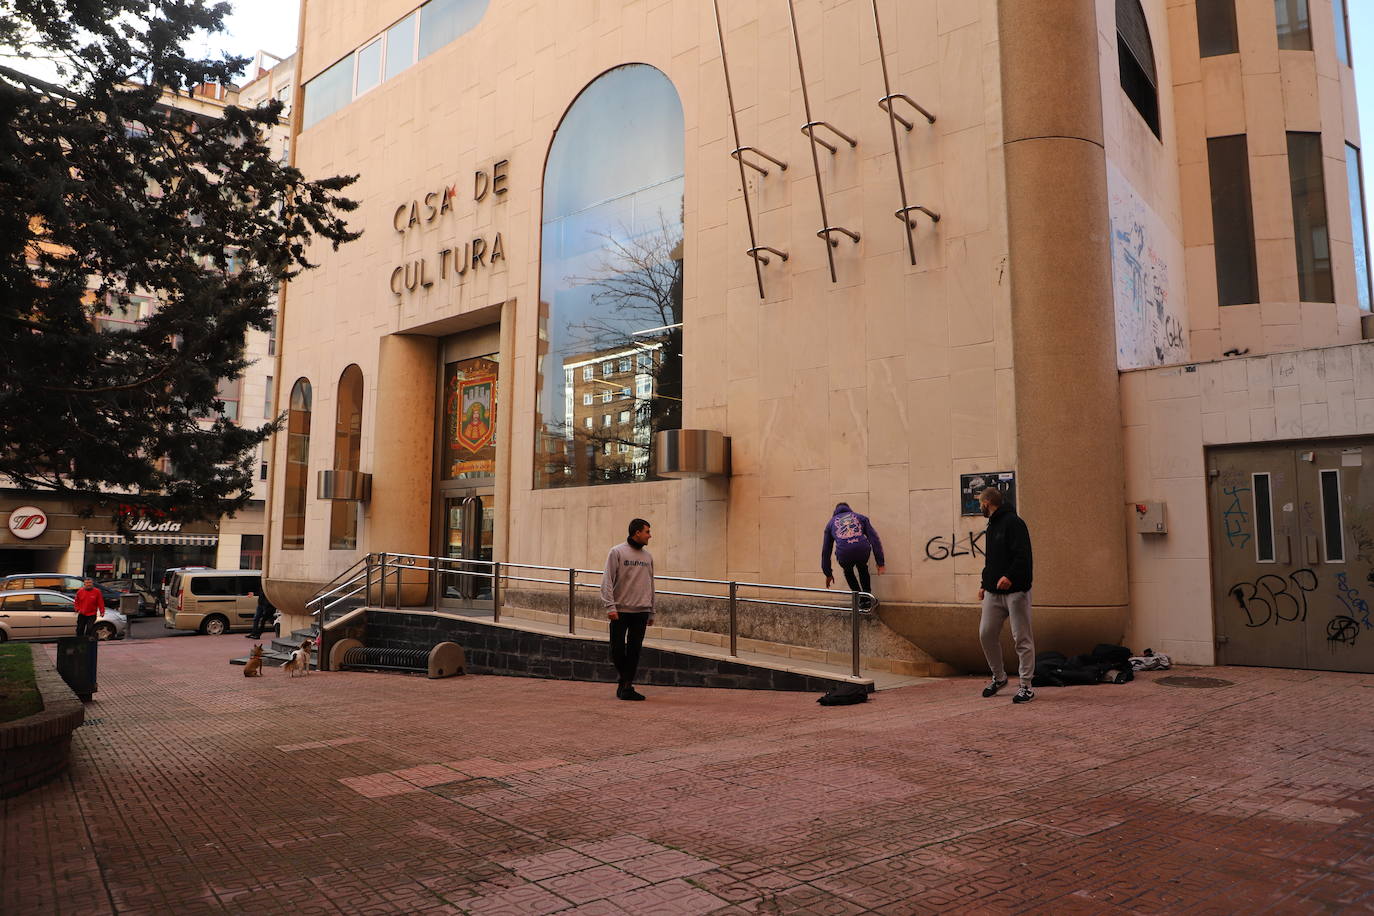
x: 195, y: 790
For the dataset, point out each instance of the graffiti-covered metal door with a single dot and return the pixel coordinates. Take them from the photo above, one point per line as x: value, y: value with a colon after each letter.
x: 1292, y: 532
x: 1261, y: 590
x: 1337, y: 517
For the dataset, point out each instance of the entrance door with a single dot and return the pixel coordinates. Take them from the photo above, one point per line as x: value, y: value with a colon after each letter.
x: 469, y: 525
x: 1293, y: 556
x: 466, y: 465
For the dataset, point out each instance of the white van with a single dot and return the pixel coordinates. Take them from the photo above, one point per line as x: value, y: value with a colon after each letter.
x: 213, y: 601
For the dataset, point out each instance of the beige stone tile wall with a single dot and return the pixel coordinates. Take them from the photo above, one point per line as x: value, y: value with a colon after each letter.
x: 879, y: 389
x: 1144, y: 183
x: 1171, y: 415
x: 1262, y: 92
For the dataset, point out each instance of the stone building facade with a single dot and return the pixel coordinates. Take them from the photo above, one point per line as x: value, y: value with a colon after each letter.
x: 1028, y: 288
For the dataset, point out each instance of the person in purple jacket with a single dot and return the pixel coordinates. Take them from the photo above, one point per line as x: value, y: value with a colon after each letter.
x: 853, y: 540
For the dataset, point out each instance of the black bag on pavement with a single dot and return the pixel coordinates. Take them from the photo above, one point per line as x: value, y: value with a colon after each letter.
x: 844, y: 695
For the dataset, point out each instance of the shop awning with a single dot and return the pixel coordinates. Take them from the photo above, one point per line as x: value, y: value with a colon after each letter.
x: 179, y: 540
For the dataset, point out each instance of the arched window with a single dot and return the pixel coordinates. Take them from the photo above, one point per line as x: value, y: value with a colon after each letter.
x: 348, y: 453
x: 1136, y: 56
x: 611, y: 282
x: 297, y: 466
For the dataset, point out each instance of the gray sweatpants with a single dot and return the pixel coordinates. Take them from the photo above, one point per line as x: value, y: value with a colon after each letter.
x: 996, y: 609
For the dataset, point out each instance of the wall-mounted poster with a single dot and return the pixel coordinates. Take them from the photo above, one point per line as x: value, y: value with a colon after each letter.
x: 470, y: 418
x: 970, y: 485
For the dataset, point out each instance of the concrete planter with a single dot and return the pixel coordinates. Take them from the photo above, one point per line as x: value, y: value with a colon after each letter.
x: 35, y: 749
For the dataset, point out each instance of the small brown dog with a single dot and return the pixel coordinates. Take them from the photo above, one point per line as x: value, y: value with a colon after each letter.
x: 254, y: 666
x: 300, y: 659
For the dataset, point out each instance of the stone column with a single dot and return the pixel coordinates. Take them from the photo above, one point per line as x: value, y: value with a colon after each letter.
x: 398, y: 516
x: 1068, y: 419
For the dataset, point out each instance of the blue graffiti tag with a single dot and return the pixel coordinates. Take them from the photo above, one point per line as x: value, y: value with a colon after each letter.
x: 1352, y: 600
x: 1235, y: 518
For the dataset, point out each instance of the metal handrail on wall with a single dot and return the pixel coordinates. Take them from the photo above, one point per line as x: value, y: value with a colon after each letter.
x: 809, y: 129
x: 904, y: 212
x: 756, y: 249
x: 377, y: 568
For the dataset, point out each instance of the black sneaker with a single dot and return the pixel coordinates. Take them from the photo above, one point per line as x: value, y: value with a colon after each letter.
x: 1024, y: 695
x: 252, y: 636
x: 628, y: 693
x: 991, y: 689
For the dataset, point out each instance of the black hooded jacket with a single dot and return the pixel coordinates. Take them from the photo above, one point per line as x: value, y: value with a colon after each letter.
x: 1008, y: 549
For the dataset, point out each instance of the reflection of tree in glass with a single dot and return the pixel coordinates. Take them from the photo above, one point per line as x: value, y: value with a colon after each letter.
x: 636, y: 284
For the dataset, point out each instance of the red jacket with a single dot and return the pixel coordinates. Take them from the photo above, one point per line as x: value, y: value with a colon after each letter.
x: 89, y: 601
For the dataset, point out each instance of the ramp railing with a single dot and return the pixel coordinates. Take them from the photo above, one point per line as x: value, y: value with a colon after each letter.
x: 382, y: 579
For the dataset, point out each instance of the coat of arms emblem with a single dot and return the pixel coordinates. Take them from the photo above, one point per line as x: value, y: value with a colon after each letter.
x: 475, y: 399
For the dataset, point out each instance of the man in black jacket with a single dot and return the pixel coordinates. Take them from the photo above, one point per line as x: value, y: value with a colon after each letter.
x: 1005, y: 592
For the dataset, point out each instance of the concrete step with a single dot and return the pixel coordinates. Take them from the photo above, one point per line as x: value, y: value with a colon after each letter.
x: 271, y: 660
x: 292, y: 641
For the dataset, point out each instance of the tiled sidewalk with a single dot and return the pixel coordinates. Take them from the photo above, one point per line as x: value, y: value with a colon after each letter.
x: 195, y: 790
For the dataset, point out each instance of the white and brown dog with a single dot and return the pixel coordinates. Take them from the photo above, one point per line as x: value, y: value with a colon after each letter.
x: 300, y: 658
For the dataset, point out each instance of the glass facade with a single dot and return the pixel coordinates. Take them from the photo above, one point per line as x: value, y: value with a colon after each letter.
x: 442, y: 21
x: 328, y: 92
x: 297, y: 467
x: 348, y: 454
x: 1359, y: 233
x: 369, y: 68
x: 400, y: 46
x: 437, y: 22
x: 1136, y: 61
x: 1294, y: 25
x: 1342, y: 31
x: 1310, y: 229
x: 1216, y: 27
x: 1233, y: 224
x: 611, y: 281
x: 250, y: 551
x: 469, y: 422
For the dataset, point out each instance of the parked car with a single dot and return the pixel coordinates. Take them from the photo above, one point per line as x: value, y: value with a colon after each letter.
x: 164, y: 592
x: 213, y: 601
x: 147, y: 601
x: 58, y: 582
x: 35, y: 613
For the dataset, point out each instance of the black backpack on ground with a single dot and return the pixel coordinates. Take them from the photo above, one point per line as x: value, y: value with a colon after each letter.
x: 1105, y: 664
x: 844, y: 695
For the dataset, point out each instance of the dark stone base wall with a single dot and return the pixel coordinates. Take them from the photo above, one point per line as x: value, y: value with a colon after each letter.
x: 28, y: 767
x: 35, y: 749
x: 492, y: 649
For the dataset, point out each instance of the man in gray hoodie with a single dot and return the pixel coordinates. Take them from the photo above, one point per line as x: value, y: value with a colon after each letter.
x: 627, y: 590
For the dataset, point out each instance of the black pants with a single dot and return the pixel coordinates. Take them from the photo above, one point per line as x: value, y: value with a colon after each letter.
x: 262, y: 619
x: 861, y: 582
x: 84, y: 624
x: 627, y: 637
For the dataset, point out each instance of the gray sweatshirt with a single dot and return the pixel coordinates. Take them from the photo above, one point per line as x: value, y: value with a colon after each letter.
x: 628, y: 583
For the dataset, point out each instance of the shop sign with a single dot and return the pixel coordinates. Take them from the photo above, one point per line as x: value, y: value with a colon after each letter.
x: 148, y: 519
x: 28, y: 522
x: 453, y: 263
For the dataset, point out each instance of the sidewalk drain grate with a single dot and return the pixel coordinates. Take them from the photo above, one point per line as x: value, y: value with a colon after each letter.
x: 94, y: 720
x: 1187, y: 681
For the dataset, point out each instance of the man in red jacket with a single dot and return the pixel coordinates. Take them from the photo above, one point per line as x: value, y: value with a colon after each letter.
x: 90, y: 601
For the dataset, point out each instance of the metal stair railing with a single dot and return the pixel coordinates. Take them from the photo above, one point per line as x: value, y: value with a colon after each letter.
x: 340, y: 588
x: 379, y: 568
